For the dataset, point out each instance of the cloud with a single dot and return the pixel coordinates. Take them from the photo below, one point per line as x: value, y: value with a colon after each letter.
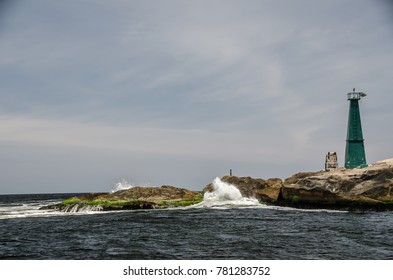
x: 256, y: 84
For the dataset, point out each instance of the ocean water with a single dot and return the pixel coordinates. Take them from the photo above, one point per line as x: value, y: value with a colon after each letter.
x: 224, y: 226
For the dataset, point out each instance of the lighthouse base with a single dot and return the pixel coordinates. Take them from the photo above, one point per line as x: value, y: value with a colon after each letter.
x: 354, y: 154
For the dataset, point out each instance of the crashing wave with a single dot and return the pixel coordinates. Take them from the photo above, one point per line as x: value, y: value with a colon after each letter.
x: 227, y: 196
x: 123, y: 185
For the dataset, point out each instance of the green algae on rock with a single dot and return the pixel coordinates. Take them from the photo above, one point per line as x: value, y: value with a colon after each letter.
x: 130, y: 199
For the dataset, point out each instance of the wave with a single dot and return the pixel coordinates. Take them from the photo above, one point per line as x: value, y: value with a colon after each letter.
x: 122, y: 185
x: 226, y: 195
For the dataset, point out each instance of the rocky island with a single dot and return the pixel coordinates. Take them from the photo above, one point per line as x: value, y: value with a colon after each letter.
x: 130, y: 199
x: 368, y: 188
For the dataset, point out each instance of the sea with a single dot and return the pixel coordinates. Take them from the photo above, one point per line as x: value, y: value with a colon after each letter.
x: 224, y: 226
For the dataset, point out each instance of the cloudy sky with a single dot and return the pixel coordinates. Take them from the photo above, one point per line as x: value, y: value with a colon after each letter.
x: 179, y: 92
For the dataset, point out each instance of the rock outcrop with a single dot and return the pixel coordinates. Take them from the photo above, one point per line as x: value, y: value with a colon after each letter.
x: 369, y: 188
x: 130, y: 199
x: 264, y: 190
x: 359, y: 188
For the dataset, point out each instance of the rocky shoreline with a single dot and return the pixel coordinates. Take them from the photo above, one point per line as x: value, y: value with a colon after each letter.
x: 359, y: 189
x: 368, y: 188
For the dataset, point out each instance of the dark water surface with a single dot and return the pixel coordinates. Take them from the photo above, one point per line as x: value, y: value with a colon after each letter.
x: 193, y: 233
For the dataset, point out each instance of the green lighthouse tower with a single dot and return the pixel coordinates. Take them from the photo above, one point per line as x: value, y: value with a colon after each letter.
x: 354, y: 150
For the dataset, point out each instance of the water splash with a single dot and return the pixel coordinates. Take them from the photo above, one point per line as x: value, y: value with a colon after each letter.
x: 226, y: 195
x: 82, y: 208
x: 122, y: 185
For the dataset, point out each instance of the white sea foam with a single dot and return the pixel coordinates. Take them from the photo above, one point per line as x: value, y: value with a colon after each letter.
x: 122, y: 185
x: 82, y: 208
x: 226, y: 195
x: 32, y: 209
x: 24, y: 211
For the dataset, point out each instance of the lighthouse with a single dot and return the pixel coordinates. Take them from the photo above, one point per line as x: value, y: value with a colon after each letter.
x: 354, y: 150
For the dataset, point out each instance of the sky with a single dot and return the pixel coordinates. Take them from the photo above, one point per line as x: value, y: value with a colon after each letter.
x: 179, y: 92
